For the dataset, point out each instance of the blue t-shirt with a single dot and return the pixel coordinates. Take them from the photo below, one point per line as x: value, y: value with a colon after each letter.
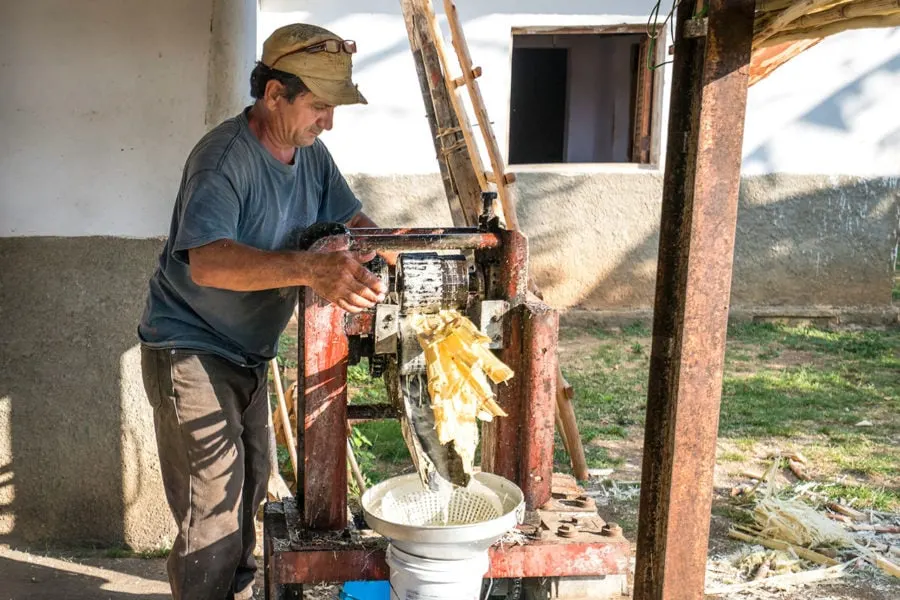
x: 233, y: 188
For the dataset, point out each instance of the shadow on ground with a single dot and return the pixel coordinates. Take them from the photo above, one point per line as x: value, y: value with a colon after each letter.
x: 33, y: 577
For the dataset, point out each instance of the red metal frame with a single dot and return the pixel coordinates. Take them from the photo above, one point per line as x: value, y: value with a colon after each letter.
x: 536, y: 559
x: 322, y: 384
x: 518, y: 447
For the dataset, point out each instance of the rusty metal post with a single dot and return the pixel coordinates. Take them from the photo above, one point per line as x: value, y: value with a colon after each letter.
x: 501, y: 437
x: 500, y: 442
x: 538, y: 388
x: 700, y: 196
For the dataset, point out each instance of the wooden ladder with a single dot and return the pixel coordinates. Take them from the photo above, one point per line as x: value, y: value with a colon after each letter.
x: 462, y: 171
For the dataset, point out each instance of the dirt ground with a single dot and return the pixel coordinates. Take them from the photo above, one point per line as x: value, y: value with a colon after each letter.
x: 83, y: 576
x: 61, y: 576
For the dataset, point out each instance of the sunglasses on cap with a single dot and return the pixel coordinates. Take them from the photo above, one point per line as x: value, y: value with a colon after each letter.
x: 329, y: 46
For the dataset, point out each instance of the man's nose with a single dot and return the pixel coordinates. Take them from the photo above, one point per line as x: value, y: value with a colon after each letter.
x: 326, y: 121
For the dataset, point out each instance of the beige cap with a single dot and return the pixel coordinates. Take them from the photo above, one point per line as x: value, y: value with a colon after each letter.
x: 326, y: 74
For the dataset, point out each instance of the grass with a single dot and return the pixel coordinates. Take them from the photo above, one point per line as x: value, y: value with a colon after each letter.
x: 800, y: 388
x: 861, y: 496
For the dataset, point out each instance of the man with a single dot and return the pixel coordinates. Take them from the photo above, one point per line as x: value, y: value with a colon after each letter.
x: 224, y: 290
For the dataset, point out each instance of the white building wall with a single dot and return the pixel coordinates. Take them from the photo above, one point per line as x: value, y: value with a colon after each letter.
x: 832, y: 110
x: 100, y: 109
x: 101, y: 102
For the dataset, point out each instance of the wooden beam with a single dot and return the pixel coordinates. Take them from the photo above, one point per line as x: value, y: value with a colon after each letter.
x: 765, y: 60
x: 581, y: 29
x: 696, y: 246
x: 445, y: 125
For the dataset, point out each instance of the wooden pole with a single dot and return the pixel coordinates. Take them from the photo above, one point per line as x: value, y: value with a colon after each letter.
x: 355, y: 470
x: 493, y: 149
x: 283, y: 415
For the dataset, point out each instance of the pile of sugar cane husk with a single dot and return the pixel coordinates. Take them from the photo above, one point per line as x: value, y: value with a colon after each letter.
x: 460, y: 371
x: 800, y: 535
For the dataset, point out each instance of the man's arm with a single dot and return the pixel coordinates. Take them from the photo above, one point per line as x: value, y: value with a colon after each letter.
x: 337, y: 276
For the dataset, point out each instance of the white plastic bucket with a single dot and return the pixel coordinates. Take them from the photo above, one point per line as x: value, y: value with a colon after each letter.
x: 416, y: 578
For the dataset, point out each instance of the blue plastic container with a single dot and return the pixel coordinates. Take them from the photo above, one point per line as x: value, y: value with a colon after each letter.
x: 366, y: 590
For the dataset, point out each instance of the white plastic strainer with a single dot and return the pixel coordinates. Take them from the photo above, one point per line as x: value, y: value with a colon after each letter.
x: 461, y: 507
x: 424, y: 523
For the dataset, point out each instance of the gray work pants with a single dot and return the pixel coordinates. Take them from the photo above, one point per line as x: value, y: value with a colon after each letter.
x: 212, y: 433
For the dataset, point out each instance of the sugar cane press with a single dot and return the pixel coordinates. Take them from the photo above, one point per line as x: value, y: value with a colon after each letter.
x: 481, y: 272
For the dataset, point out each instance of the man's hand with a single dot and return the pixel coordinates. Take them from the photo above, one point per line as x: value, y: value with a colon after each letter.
x: 361, y: 220
x: 340, y: 277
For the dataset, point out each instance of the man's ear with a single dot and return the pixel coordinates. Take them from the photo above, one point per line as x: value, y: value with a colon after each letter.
x: 274, y: 90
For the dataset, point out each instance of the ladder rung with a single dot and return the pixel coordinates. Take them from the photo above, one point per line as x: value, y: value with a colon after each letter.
x: 508, y: 178
x: 461, y: 81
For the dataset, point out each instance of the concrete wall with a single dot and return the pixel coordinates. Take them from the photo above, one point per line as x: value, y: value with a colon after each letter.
x: 800, y: 238
x: 101, y: 102
x: 79, y: 463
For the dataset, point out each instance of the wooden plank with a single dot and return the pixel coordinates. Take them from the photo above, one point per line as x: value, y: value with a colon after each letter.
x: 450, y: 144
x: 581, y: 29
x: 456, y: 210
x: 283, y: 415
x: 575, y: 447
x: 452, y: 95
x: 765, y: 60
x: 643, y: 106
x: 789, y: 35
x: 774, y: 544
x: 789, y: 14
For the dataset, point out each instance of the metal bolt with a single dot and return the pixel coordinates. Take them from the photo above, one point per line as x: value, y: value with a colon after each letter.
x: 565, y: 530
x: 611, y: 530
x: 583, y: 502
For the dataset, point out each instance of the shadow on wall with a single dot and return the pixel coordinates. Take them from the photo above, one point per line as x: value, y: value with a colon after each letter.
x: 74, y: 437
x: 403, y: 200
x: 833, y: 112
x: 801, y: 240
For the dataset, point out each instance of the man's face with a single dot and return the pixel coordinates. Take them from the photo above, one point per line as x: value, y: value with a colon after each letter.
x: 304, y: 119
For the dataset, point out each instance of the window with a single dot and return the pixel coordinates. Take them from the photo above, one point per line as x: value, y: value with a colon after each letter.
x: 581, y: 96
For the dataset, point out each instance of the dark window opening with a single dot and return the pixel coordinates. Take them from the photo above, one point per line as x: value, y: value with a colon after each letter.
x: 580, y: 98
